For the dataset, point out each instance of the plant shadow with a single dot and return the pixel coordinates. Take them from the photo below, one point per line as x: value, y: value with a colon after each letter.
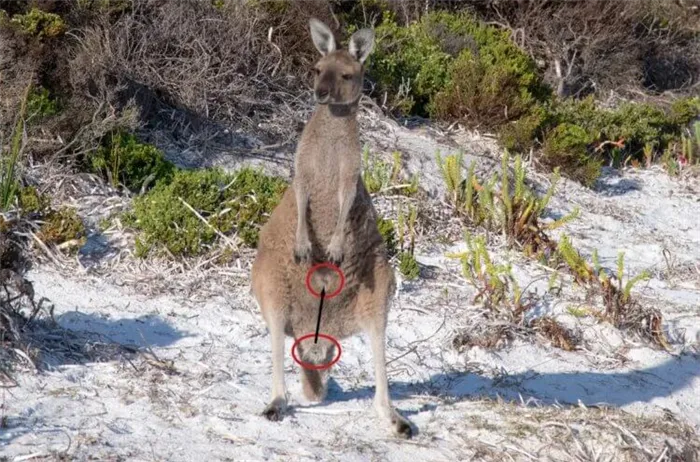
x: 589, y: 388
x: 612, y: 183
x: 75, y: 338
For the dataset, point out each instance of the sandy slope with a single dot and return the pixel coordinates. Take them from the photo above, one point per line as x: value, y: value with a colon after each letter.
x: 195, y: 390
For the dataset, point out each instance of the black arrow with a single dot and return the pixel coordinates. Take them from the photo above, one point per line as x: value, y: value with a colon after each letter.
x: 320, y: 307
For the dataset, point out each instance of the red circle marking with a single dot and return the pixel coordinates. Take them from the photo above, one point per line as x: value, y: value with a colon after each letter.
x: 332, y: 267
x: 312, y: 366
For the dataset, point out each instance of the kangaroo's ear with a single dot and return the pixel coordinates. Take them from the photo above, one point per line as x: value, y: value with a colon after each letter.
x: 361, y: 44
x: 322, y: 36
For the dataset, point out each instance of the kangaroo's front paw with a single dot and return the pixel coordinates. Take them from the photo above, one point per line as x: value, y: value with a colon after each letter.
x: 302, y: 251
x: 275, y: 410
x: 335, y: 251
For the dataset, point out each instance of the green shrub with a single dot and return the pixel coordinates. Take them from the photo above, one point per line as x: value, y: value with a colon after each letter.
x: 40, y: 104
x: 567, y: 146
x: 31, y: 201
x: 684, y: 110
x: 629, y: 128
x: 408, y: 64
x: 388, y: 232
x: 123, y: 160
x: 61, y: 226
x: 237, y: 202
x: 490, y: 85
x: 451, y: 66
x: 579, y: 136
x: 408, y: 266
x: 39, y: 24
x: 523, y: 134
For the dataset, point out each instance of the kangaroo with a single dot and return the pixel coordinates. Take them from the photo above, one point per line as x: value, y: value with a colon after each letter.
x: 327, y: 215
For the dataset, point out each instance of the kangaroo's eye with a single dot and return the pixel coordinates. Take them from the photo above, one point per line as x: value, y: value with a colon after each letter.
x: 347, y: 76
x: 317, y: 71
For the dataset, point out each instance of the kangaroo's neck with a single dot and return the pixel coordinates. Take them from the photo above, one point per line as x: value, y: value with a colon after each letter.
x: 337, y: 119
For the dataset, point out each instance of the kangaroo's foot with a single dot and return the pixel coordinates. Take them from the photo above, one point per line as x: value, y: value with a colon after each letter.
x: 275, y: 410
x: 400, y: 425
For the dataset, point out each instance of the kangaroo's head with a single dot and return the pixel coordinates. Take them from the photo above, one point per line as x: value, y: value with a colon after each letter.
x: 339, y: 73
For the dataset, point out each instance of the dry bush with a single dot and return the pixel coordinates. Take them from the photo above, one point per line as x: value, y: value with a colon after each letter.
x: 605, y: 45
x: 238, y: 63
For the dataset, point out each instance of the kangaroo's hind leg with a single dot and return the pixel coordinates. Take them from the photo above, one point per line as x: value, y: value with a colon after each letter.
x: 273, y: 306
x: 375, y: 305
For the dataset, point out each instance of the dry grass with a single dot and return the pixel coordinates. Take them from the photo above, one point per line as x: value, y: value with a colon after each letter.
x: 510, y: 431
x: 213, y: 64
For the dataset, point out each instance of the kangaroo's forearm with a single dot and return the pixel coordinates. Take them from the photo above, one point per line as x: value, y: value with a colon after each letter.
x: 346, y: 199
x: 302, y: 205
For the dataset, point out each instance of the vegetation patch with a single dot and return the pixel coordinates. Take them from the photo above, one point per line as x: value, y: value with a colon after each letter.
x: 497, y: 289
x: 9, y: 186
x: 615, y: 289
x: 61, y: 226
x: 400, y: 241
x: 506, y: 303
x: 515, y: 211
x: 123, y: 160
x: 39, y: 24
x: 504, y: 203
x: 388, y: 232
x: 408, y: 266
x: 382, y: 177
x: 453, y: 67
x: 40, y: 103
x: 579, y: 137
x: 32, y: 201
x: 185, y: 215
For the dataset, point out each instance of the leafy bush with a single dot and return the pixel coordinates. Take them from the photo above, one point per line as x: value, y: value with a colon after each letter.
x: 388, y: 232
x: 635, y: 124
x: 39, y: 24
x: 489, y: 85
x: 40, y: 104
x: 408, y: 64
x: 685, y: 110
x: 523, y: 134
x: 61, y: 226
x: 578, y: 135
x: 229, y: 202
x: 32, y: 201
x: 123, y: 160
x: 451, y: 66
x: 567, y: 146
